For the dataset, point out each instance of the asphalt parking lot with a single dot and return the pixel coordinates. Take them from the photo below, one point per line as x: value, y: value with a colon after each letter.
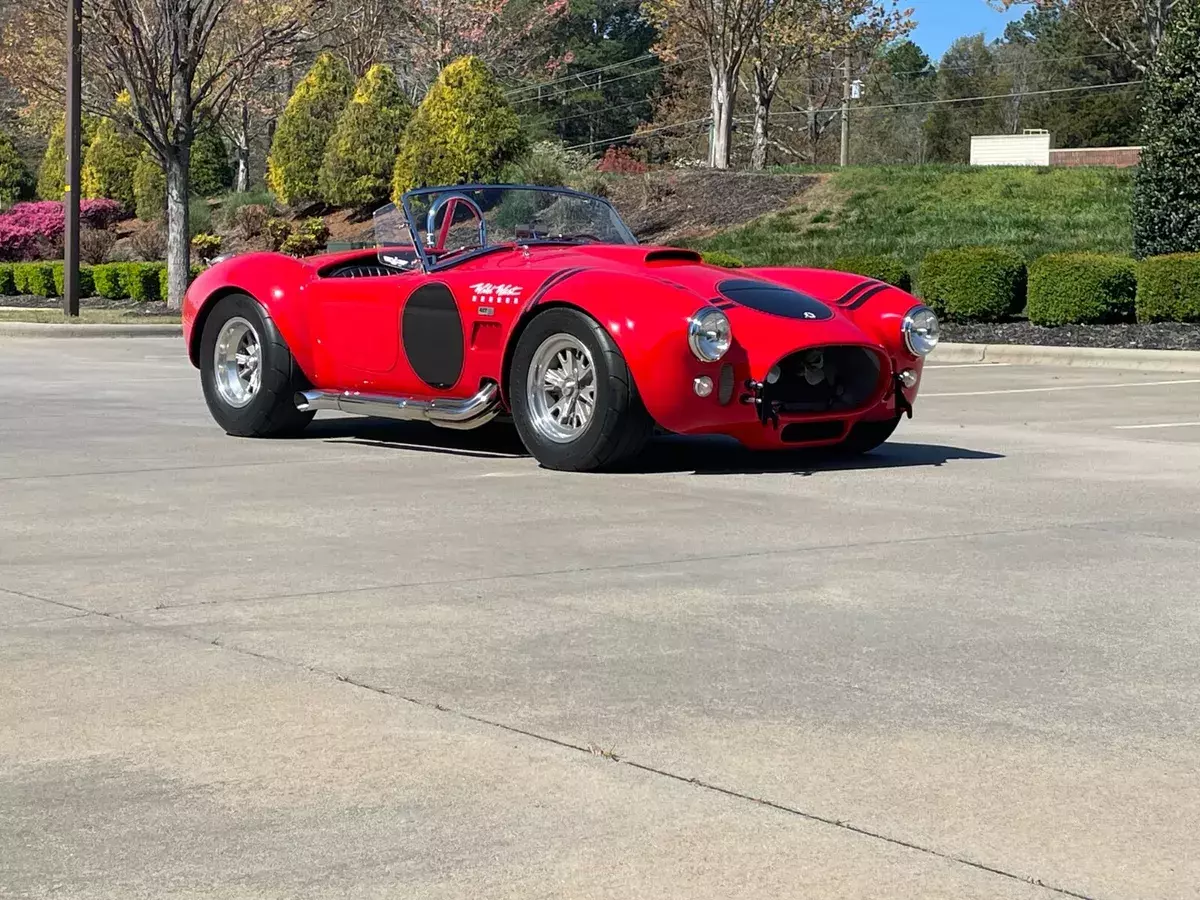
x: 388, y: 661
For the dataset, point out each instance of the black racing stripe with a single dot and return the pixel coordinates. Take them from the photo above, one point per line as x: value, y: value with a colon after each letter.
x: 854, y: 291
x: 868, y: 295
x: 556, y: 279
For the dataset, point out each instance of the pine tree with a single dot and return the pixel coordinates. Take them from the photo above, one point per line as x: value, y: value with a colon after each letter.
x: 15, y: 180
x: 298, y: 148
x: 463, y: 131
x: 210, y: 172
x: 149, y: 188
x: 109, y: 162
x: 361, y: 154
x: 1166, y: 204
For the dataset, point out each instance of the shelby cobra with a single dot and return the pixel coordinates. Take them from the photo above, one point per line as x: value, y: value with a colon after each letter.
x: 539, y: 304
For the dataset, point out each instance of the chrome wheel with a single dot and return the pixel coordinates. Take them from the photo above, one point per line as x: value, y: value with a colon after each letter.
x: 561, y: 388
x: 237, y: 362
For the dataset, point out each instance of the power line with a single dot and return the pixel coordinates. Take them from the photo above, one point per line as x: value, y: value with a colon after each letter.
x: 573, y: 75
x: 862, y: 109
x: 593, y: 112
x: 583, y: 87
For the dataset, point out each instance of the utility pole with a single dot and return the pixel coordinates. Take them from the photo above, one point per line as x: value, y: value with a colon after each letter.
x: 70, y: 298
x: 845, y: 159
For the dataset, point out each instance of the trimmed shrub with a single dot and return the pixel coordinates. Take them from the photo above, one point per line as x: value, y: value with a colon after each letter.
x: 209, y: 173
x: 149, y: 188
x: 974, y: 284
x: 721, y: 258
x: 298, y: 147
x: 7, y: 288
x: 193, y: 271
x: 277, y: 231
x: 463, y: 131
x: 15, y: 181
x: 109, y: 164
x: 87, y: 287
x: 315, y: 229
x: 621, y: 161
x: 1166, y: 201
x: 206, y: 246
x: 35, y: 279
x: 140, y: 280
x: 1168, y: 288
x: 888, y: 269
x: 299, y: 245
x: 361, y: 154
x: 107, y: 281
x: 1081, y: 289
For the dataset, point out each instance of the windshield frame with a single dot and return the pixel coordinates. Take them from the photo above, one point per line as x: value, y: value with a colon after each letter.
x: 430, y: 265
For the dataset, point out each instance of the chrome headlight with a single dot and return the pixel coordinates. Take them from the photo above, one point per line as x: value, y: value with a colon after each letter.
x: 709, y: 334
x: 920, y: 330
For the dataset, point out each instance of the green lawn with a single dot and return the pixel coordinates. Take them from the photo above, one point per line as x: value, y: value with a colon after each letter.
x: 86, y: 317
x: 911, y: 210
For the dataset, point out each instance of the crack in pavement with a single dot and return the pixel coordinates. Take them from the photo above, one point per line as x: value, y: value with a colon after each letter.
x: 570, y: 745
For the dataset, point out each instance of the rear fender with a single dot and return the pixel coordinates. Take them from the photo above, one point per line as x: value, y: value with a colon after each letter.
x: 276, y: 281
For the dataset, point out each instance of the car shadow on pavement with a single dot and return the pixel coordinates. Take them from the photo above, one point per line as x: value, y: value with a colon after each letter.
x: 665, y: 454
x: 721, y: 456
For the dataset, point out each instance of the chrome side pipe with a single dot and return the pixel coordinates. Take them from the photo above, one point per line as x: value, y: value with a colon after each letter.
x: 444, y: 412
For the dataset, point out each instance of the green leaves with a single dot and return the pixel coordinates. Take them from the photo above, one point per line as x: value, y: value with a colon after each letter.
x: 298, y: 148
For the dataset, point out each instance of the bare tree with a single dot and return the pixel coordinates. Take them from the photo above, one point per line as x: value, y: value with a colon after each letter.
x: 721, y: 30
x: 1133, y: 28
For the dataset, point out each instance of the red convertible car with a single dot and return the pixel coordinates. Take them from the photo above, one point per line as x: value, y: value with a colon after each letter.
x: 539, y: 304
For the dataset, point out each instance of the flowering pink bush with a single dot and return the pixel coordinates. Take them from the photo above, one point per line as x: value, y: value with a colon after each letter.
x: 30, y: 231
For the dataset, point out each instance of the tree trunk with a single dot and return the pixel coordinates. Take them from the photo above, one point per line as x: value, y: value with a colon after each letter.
x: 178, y: 240
x: 241, y: 152
x: 721, y: 109
x: 764, y: 93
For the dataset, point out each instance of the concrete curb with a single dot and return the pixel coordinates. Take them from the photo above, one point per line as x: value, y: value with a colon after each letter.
x: 1098, y: 357
x: 45, y: 329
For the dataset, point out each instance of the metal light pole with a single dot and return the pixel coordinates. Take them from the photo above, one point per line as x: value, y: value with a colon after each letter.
x: 845, y: 155
x: 70, y: 298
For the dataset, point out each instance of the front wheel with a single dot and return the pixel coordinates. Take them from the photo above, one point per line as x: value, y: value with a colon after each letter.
x: 249, y: 376
x: 866, y: 436
x: 573, y: 399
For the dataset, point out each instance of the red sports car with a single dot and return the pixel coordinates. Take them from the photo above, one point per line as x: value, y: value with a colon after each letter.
x: 539, y: 304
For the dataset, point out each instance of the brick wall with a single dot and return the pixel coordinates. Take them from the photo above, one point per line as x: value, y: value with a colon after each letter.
x: 1119, y: 157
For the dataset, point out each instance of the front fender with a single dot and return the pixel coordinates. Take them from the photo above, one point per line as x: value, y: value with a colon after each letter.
x: 647, y: 319
x: 275, y: 280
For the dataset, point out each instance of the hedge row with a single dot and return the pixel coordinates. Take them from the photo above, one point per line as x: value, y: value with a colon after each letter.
x: 987, y: 284
x: 140, y: 281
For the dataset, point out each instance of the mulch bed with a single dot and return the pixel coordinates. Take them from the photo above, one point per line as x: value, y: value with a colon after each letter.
x: 1158, y: 336
x: 149, y: 309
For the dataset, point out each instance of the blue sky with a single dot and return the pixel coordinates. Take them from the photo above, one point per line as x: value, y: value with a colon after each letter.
x: 940, y: 21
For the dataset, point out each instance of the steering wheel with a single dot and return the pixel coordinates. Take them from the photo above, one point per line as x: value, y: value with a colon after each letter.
x: 450, y: 203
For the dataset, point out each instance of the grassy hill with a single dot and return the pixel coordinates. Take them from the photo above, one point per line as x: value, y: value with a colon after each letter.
x: 911, y: 210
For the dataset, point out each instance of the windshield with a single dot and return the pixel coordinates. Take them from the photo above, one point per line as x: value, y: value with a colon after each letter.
x: 451, y: 222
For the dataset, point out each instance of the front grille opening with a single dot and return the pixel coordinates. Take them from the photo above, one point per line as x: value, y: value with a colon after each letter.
x: 811, y: 432
x: 826, y: 379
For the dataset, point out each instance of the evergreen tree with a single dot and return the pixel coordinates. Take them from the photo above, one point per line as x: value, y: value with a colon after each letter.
x: 1166, y: 202
x: 298, y: 148
x: 109, y: 163
x: 15, y: 180
x: 210, y: 171
x: 52, y: 173
x: 361, y: 154
x: 463, y: 131
x: 149, y: 188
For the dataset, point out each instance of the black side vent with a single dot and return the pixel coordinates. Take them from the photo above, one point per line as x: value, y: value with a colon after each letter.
x: 361, y: 270
x: 672, y: 254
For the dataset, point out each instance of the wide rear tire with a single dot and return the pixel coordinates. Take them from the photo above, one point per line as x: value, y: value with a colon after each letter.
x: 573, y: 399
x: 249, y: 375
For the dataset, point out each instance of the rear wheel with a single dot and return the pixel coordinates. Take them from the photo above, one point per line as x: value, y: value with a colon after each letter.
x: 248, y: 373
x: 866, y: 436
x: 573, y: 398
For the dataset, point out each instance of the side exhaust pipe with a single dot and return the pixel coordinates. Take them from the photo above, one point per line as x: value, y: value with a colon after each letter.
x: 446, y: 413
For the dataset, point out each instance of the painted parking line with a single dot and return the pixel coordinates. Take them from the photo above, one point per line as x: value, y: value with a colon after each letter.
x: 967, y: 365
x: 1158, y: 425
x: 1069, y: 387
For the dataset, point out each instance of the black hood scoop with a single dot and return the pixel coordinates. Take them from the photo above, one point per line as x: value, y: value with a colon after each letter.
x: 773, y: 299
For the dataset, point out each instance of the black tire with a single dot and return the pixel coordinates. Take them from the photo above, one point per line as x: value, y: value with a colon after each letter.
x: 271, y: 412
x: 866, y: 436
x: 619, y: 427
